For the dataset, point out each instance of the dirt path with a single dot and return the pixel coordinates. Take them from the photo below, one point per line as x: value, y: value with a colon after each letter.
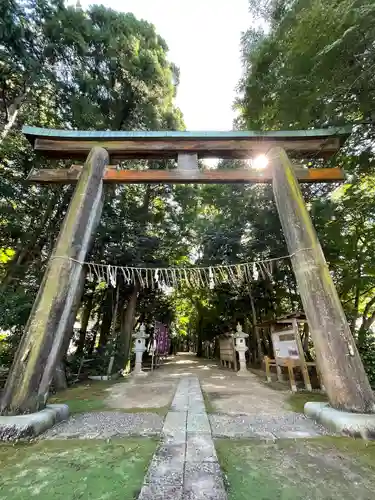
x: 227, y: 392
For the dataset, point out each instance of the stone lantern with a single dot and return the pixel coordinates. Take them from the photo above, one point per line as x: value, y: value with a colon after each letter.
x: 139, y: 348
x: 241, y: 347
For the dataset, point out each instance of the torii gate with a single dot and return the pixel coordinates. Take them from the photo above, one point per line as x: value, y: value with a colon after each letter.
x: 58, y: 299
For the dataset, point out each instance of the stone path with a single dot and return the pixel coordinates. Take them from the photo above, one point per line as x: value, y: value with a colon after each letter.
x: 291, y: 426
x: 185, y: 465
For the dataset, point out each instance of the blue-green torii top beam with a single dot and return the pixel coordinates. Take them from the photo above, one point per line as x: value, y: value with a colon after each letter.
x: 122, y: 145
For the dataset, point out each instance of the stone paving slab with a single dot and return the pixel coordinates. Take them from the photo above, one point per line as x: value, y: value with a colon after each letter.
x: 180, y: 407
x: 197, y: 407
x: 108, y: 424
x: 200, y: 448
x: 203, y: 481
x: 172, y: 452
x: 161, y: 492
x: 178, y: 437
x: 198, y: 422
x: 291, y: 426
x: 174, y: 422
x: 167, y: 470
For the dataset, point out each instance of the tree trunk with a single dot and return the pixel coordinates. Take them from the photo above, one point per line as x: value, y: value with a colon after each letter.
x: 84, y: 324
x: 115, y: 314
x: 199, y: 339
x: 342, y: 370
x: 92, y: 343
x: 26, y: 389
x: 127, y: 325
x: 353, y: 323
x: 255, y: 328
x: 107, y: 320
x: 12, y: 113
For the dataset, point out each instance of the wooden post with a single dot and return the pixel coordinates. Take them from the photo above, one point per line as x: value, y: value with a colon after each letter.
x: 27, y: 386
x: 268, y: 371
x: 279, y: 372
x: 293, y: 384
x: 304, y: 369
x: 342, y: 370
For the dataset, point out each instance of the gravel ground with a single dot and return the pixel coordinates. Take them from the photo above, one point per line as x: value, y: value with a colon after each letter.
x: 264, y: 426
x: 107, y: 424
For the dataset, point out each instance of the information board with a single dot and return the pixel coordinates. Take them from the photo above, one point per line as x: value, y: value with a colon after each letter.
x: 285, y: 345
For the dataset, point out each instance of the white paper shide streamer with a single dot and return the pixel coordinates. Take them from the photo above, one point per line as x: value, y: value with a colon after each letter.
x: 192, y: 277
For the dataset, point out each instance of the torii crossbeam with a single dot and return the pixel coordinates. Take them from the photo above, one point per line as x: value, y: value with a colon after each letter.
x: 187, y: 148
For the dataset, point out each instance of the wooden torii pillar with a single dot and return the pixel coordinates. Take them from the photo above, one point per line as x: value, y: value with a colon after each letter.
x: 27, y: 386
x: 32, y: 370
x: 341, y: 367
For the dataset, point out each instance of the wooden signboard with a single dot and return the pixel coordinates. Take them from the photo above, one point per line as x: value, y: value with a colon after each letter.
x: 227, y: 351
x: 285, y: 345
x: 288, y: 352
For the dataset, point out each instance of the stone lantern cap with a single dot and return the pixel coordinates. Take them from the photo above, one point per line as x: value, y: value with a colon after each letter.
x: 141, y: 333
x: 239, y: 333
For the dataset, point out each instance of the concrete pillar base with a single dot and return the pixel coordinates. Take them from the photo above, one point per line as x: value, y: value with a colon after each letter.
x: 24, y: 427
x: 348, y: 424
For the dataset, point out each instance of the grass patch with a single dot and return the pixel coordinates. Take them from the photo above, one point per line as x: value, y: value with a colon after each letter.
x: 296, y: 401
x: 323, y: 468
x: 85, y: 397
x: 75, y: 469
x: 207, y: 403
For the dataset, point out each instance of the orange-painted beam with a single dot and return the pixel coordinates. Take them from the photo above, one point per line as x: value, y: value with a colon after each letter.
x: 230, y: 176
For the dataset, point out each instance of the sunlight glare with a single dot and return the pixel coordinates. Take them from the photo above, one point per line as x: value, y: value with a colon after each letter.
x: 260, y: 161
